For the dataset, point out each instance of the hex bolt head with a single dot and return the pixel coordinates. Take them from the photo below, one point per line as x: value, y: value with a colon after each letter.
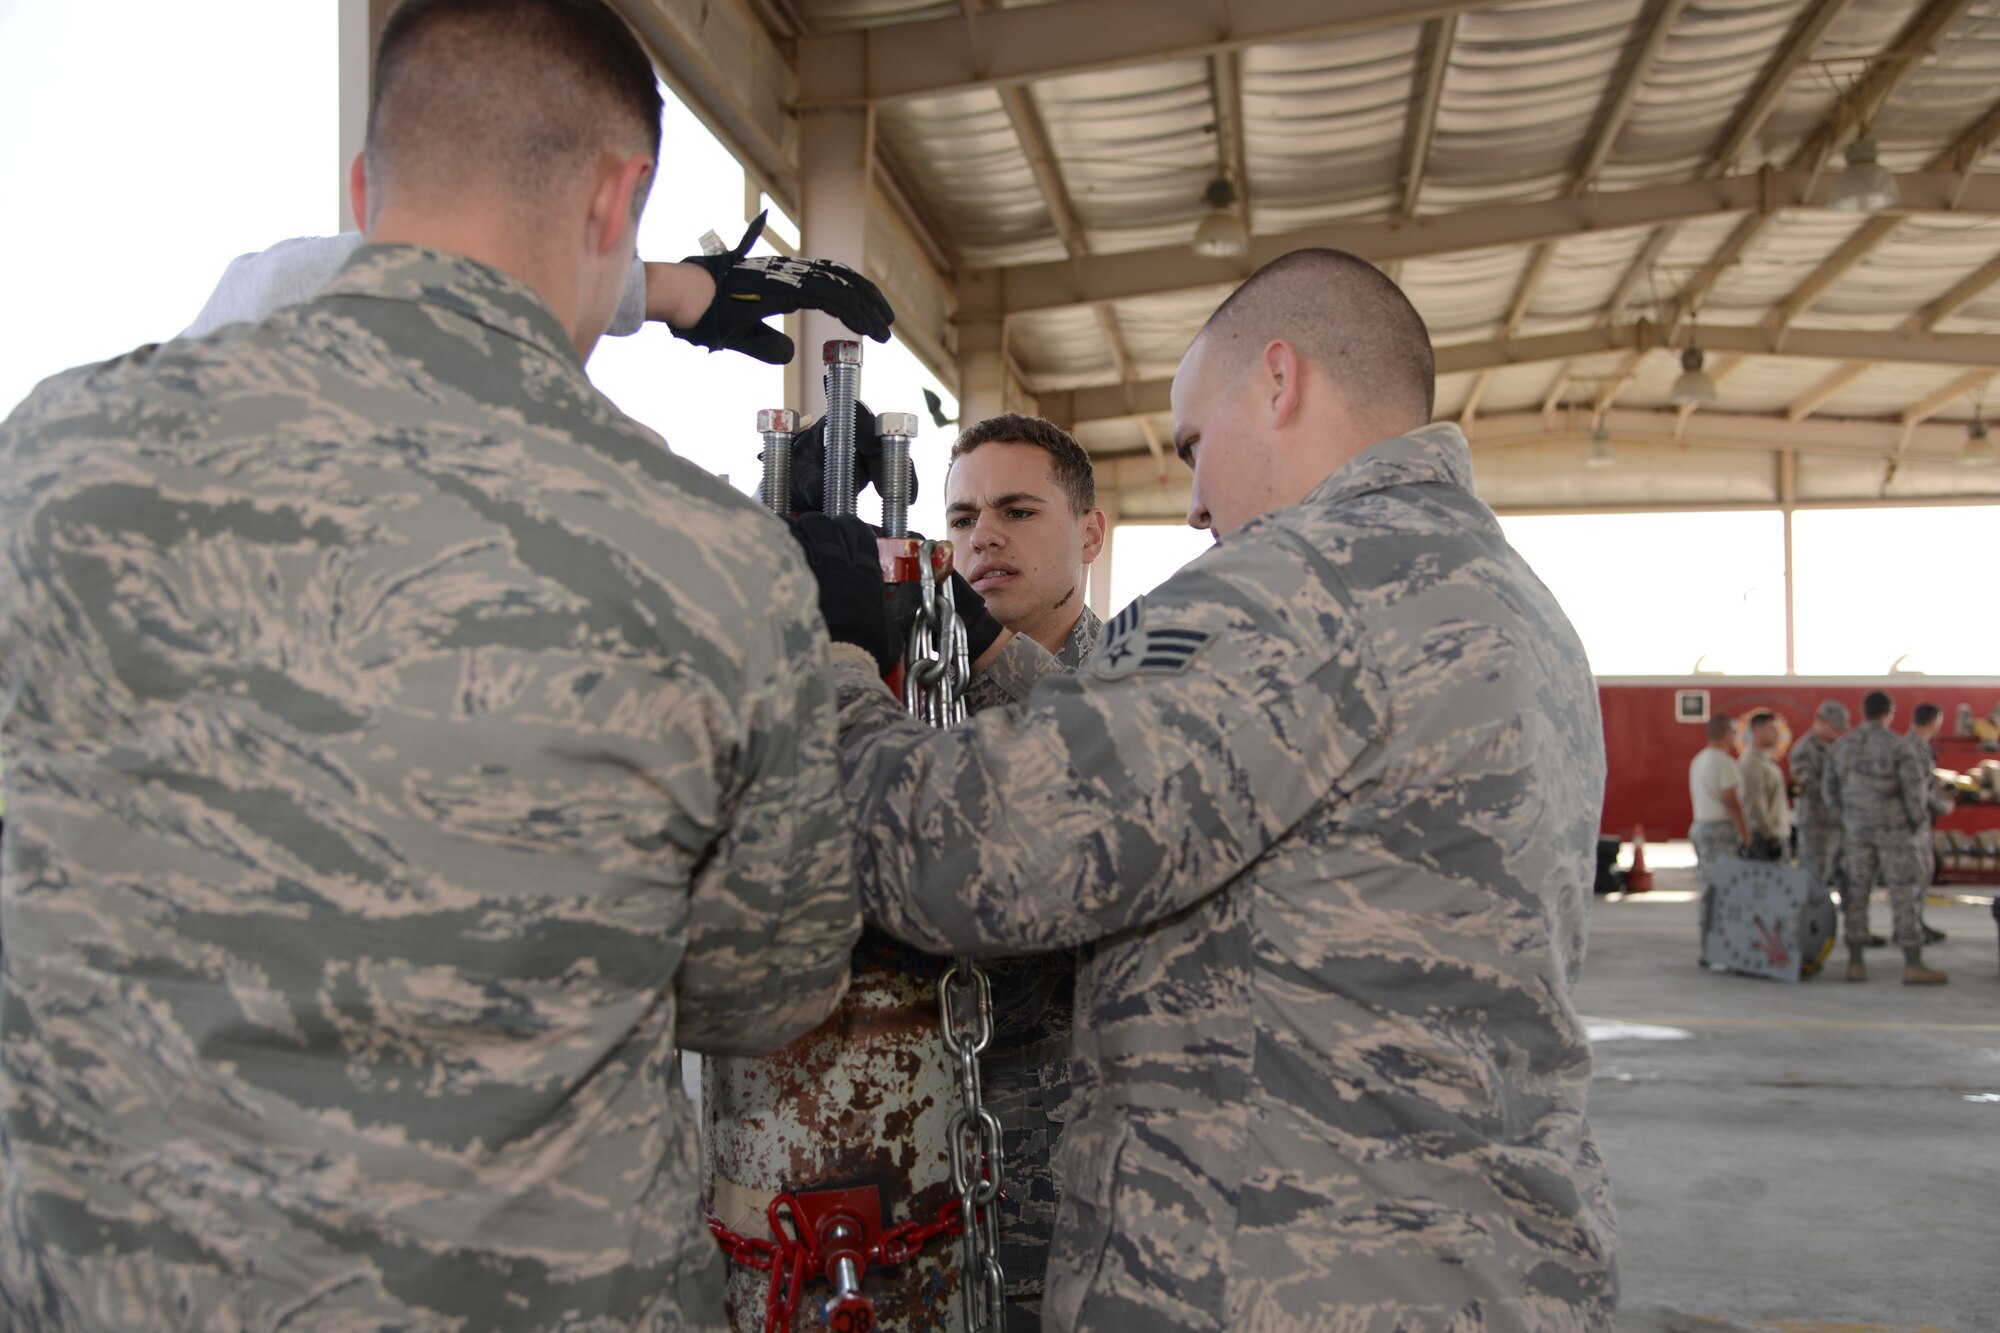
x: 778, y: 421
x: 896, y: 423
x: 842, y: 352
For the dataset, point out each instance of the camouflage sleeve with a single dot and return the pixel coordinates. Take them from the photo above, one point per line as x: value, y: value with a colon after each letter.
x: 256, y: 286
x: 1916, y: 786
x: 1829, y: 784
x: 1121, y: 794
x: 1011, y: 674
x: 773, y: 916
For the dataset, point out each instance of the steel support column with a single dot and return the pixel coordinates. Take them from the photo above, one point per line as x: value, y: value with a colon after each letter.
x: 837, y: 153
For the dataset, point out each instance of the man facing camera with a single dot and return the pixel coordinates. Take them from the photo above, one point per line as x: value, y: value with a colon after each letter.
x: 1021, y: 512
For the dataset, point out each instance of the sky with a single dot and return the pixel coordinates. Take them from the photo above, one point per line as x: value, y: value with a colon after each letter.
x: 136, y: 169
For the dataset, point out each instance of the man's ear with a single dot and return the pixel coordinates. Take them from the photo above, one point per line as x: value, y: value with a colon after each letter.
x: 621, y: 181
x: 1093, y: 535
x: 357, y: 190
x: 1279, y: 382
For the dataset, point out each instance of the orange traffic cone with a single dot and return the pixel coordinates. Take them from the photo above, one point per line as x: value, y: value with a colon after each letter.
x: 1638, y: 879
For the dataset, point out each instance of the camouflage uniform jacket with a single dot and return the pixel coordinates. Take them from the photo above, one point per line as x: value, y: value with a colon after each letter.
x: 1032, y: 995
x: 408, y: 753
x: 1934, y: 802
x: 1876, y: 785
x: 1323, y: 807
x: 1808, y: 764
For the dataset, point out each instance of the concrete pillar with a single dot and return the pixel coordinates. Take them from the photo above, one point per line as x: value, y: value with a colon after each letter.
x: 836, y: 163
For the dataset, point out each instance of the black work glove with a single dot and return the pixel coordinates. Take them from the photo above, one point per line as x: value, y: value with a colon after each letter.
x: 841, y: 553
x: 809, y: 462
x: 750, y: 289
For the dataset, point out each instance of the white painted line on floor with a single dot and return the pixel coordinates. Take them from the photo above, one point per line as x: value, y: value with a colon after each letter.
x: 1617, y: 1029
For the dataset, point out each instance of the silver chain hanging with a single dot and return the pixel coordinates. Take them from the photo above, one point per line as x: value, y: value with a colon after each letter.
x: 937, y: 669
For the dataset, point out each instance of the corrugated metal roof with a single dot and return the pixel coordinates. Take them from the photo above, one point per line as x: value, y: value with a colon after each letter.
x: 1329, y: 126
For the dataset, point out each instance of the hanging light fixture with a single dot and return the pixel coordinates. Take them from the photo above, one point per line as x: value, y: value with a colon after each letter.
x: 1602, y: 454
x: 1978, y: 450
x: 1221, y: 234
x: 1866, y: 186
x: 1694, y: 384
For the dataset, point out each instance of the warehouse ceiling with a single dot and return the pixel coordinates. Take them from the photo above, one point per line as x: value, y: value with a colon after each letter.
x: 1573, y: 193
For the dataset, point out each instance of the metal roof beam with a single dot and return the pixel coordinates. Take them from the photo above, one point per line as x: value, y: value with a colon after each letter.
x: 1932, y: 314
x: 1225, y: 81
x: 1625, y: 86
x: 1926, y: 349
x: 996, y: 48
x: 1885, y: 75
x: 1776, y: 80
x: 1970, y: 382
x: 1966, y: 148
x: 1172, y: 268
x: 1427, y: 89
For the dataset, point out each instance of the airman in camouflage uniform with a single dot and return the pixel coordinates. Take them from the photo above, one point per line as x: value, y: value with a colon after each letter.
x: 1021, y: 510
x: 1321, y: 813
x: 1880, y: 789
x: 1818, y: 826
x: 408, y: 753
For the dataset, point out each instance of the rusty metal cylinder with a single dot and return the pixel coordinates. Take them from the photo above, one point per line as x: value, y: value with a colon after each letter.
x: 777, y: 425
x: 896, y: 430
x: 843, y: 386
x: 865, y: 1099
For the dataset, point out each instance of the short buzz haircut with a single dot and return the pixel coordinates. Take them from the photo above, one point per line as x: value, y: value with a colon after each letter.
x: 1925, y: 714
x: 1761, y: 716
x: 1876, y: 705
x: 1067, y: 460
x: 1720, y: 725
x: 1344, y: 316
x: 523, y: 93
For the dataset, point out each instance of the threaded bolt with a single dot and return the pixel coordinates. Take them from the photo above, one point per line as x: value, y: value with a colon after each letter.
x: 843, y: 386
x: 896, y: 429
x: 777, y: 425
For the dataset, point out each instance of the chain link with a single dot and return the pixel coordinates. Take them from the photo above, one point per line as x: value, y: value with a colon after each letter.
x: 937, y: 671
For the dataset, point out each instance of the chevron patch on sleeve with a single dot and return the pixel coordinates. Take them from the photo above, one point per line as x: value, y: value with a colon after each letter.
x: 1131, y: 647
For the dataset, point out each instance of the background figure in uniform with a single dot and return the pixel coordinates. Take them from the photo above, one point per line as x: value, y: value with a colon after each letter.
x: 1322, y: 811
x: 1720, y: 828
x: 1021, y: 512
x: 1761, y: 786
x: 1880, y: 789
x: 408, y: 752
x: 1819, y: 827
x: 1925, y: 719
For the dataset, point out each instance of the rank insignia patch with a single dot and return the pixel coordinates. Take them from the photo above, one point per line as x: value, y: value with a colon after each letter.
x: 1131, y: 647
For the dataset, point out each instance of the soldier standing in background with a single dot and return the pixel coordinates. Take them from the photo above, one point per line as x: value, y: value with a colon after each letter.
x: 408, y: 752
x: 1762, y: 786
x: 1720, y: 827
x: 1880, y: 789
x: 1925, y: 719
x: 1819, y: 827
x: 1321, y: 811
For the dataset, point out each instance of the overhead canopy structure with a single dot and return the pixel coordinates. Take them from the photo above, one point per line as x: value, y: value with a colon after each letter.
x: 1573, y: 192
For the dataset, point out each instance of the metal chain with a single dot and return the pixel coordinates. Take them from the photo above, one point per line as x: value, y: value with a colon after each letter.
x: 794, y: 1262
x: 937, y: 670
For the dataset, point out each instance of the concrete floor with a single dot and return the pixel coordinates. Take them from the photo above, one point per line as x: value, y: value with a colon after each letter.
x: 1805, y: 1158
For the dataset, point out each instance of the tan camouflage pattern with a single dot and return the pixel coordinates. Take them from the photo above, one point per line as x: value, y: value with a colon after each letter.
x: 1880, y: 789
x: 1026, y: 1072
x: 407, y: 753
x: 1330, y: 874
x: 1808, y: 765
x: 1021, y: 661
